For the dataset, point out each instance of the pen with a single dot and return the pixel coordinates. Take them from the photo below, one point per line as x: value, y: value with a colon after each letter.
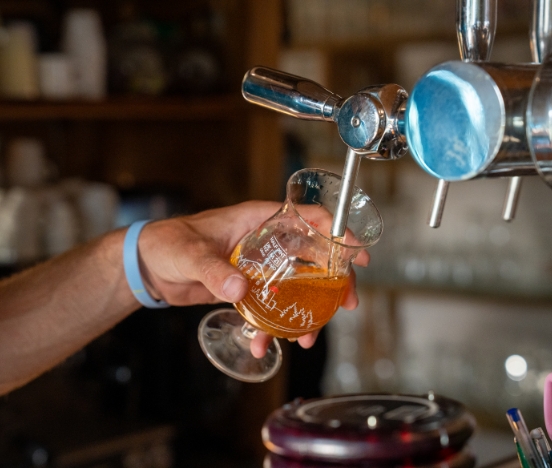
x: 517, y: 423
x: 541, y: 443
x: 521, y: 455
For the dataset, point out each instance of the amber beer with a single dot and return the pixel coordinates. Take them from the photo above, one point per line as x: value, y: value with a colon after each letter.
x: 293, y: 306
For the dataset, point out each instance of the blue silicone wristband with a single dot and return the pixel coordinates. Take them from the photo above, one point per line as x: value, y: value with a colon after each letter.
x: 132, y: 267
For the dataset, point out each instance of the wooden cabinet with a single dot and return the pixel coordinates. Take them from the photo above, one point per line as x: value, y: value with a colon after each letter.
x: 216, y: 148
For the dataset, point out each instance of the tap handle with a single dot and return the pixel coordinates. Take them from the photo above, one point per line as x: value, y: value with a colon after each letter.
x: 476, y: 28
x: 289, y: 94
x: 370, y: 122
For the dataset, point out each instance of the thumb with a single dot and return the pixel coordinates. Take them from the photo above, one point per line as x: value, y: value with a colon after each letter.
x: 234, y: 288
x: 222, y: 279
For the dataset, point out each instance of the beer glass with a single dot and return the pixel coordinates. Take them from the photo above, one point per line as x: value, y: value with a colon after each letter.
x: 298, y: 274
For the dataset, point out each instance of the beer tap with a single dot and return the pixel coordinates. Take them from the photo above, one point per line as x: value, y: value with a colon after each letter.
x: 475, y: 28
x: 540, y: 34
x: 369, y: 122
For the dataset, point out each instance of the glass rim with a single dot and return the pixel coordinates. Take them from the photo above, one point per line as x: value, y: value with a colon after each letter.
x: 311, y: 227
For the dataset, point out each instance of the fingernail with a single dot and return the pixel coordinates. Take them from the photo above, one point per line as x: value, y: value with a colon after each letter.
x: 233, y: 288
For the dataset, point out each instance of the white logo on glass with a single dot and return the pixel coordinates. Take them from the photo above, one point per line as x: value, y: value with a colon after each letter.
x: 275, y: 258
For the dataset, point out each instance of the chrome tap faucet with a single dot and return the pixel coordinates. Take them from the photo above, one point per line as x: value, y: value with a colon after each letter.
x: 369, y: 122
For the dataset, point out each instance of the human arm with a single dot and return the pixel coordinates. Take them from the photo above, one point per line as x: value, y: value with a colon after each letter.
x: 50, y: 311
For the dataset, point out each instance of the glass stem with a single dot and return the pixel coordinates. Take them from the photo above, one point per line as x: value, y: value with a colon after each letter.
x: 249, y: 331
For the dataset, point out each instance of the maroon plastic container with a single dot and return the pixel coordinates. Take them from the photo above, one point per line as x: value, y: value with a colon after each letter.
x: 370, y: 430
x: 463, y: 459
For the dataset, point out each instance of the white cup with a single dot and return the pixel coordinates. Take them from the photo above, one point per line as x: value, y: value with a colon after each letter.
x: 61, y: 231
x: 20, y: 234
x: 26, y: 164
x: 84, y: 41
x: 56, y: 76
x: 97, y: 205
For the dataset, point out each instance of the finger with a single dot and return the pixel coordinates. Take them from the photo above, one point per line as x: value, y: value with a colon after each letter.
x: 202, y: 263
x: 259, y: 344
x: 222, y: 279
x: 350, y: 298
x: 308, y: 340
x: 362, y: 259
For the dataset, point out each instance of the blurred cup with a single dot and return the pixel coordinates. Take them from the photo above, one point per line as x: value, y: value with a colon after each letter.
x: 18, y: 62
x: 20, y: 234
x: 26, y: 164
x: 84, y: 42
x: 98, y: 204
x: 61, y: 223
x: 56, y: 76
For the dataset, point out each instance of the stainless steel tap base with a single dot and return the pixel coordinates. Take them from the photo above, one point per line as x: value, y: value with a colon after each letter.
x: 539, y: 121
x: 470, y: 120
x: 455, y: 121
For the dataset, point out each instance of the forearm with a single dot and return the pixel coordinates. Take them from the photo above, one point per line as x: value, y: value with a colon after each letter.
x: 52, y: 310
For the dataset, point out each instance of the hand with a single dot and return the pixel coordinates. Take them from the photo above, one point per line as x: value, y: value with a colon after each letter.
x: 185, y: 260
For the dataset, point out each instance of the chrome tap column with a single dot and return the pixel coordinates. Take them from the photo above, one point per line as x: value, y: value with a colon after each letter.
x: 368, y: 121
x: 467, y: 120
x: 475, y: 29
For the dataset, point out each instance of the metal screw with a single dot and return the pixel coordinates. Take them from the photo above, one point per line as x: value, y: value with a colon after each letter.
x: 355, y: 122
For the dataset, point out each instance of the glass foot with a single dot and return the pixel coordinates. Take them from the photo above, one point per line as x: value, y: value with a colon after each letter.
x: 225, y: 337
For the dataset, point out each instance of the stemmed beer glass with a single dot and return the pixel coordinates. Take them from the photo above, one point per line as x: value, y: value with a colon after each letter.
x: 297, y: 273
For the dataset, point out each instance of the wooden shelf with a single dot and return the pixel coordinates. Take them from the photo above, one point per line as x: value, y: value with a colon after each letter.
x: 509, y: 293
x: 389, y: 41
x: 126, y: 108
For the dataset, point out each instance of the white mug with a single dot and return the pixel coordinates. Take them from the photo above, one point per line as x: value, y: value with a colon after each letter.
x: 26, y: 163
x: 57, y: 77
x: 84, y: 42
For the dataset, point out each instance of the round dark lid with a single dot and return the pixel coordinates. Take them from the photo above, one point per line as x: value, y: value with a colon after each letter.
x: 367, y: 427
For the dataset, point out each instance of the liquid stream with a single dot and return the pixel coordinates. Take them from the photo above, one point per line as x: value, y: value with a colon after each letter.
x: 333, y: 258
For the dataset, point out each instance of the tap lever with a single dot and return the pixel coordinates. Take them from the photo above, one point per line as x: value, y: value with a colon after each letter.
x: 476, y: 28
x: 289, y: 94
x: 370, y: 122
